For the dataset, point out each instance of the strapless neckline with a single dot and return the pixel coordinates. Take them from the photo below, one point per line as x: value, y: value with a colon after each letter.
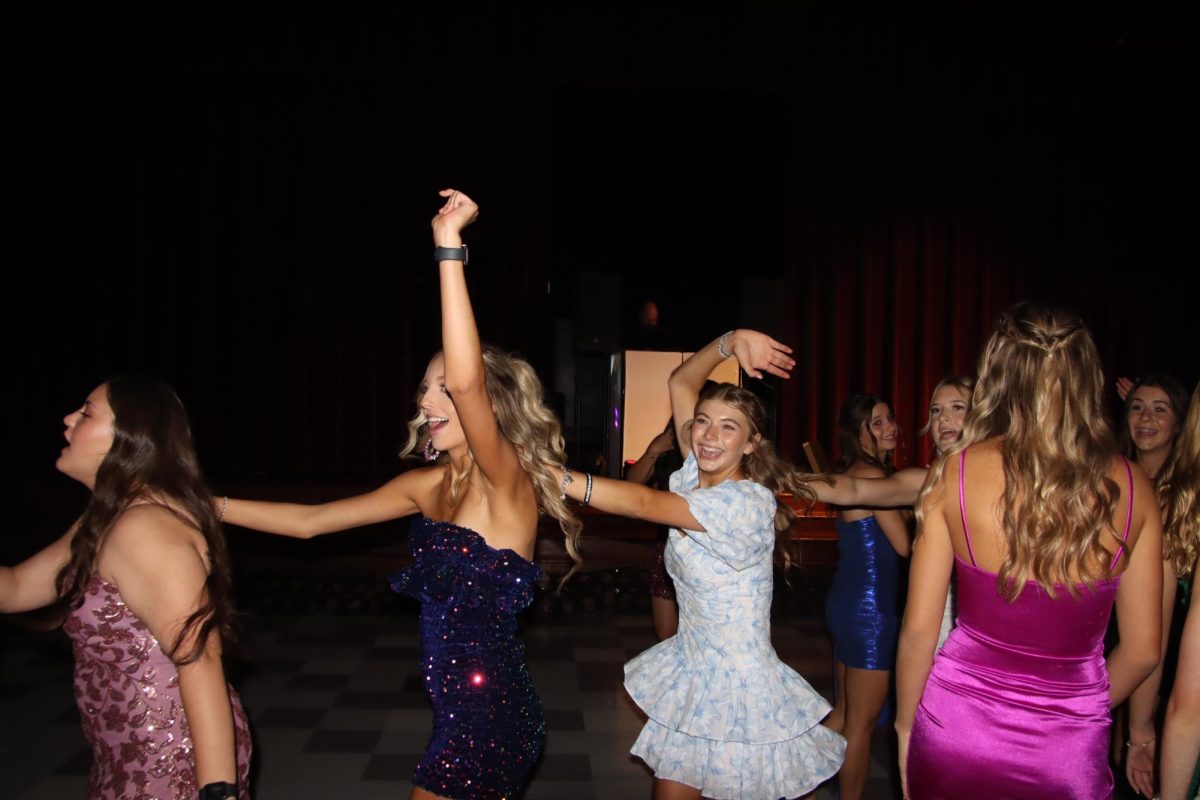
x: 479, y: 536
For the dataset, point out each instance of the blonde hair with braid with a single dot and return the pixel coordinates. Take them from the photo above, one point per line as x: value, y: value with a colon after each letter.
x: 534, y: 431
x: 1178, y: 490
x: 1040, y: 392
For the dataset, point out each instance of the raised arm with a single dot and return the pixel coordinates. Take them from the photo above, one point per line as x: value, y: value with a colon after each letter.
x: 397, y: 498
x: 1181, y: 731
x: 494, y: 454
x: 641, y: 470
x: 929, y: 578
x: 756, y: 352
x: 1139, y: 598
x: 31, y: 584
x: 152, y: 555
x: 898, y: 489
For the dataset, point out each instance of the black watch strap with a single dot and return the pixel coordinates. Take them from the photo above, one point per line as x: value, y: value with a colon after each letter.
x: 450, y: 254
x: 218, y: 791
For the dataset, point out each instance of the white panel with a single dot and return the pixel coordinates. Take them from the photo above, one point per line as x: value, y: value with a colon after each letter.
x: 647, y: 402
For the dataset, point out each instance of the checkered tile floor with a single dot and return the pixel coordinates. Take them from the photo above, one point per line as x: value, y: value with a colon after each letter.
x: 338, y: 710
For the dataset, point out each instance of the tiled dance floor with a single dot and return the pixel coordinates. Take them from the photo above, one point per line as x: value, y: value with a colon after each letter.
x: 338, y: 710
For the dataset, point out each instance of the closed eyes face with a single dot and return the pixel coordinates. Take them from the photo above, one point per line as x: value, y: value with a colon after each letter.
x: 947, y: 412
x: 89, y: 435
x: 1152, y: 421
x: 437, y: 407
x: 878, y: 434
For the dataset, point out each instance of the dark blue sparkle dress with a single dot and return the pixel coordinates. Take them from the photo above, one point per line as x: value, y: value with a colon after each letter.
x: 861, y: 609
x: 488, y: 725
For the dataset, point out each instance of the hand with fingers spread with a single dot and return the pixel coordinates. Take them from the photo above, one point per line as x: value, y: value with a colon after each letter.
x: 756, y: 352
x: 1124, y: 386
x: 458, y: 212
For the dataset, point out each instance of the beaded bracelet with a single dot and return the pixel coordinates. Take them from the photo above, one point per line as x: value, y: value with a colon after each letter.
x: 723, y: 344
x: 1146, y: 743
x: 567, y: 480
x: 587, y: 493
x: 224, y: 508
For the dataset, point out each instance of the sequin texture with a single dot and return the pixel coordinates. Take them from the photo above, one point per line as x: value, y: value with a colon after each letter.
x: 127, y: 691
x: 488, y: 725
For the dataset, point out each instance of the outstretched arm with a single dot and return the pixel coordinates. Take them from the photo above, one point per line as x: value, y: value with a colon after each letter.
x: 31, y: 584
x: 756, y: 352
x: 628, y: 499
x: 898, y: 489
x: 396, y: 498
x: 494, y: 454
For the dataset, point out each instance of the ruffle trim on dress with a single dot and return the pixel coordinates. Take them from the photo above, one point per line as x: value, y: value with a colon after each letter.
x: 764, y: 703
x: 742, y: 771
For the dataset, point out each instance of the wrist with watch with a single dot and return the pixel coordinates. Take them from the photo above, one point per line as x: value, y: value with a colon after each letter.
x: 450, y: 254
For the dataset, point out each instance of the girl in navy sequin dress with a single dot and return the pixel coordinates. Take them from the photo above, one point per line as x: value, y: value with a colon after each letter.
x: 482, y: 421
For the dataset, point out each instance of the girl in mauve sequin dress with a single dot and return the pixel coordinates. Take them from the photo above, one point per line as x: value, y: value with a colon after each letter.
x: 491, y: 438
x: 145, y: 574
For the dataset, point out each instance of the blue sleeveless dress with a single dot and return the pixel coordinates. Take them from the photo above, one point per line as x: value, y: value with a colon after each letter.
x: 488, y: 725
x: 861, y: 609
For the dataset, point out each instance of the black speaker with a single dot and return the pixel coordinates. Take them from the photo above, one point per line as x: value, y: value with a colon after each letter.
x: 597, y: 312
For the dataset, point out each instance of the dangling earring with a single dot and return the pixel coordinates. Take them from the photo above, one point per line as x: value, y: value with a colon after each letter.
x: 430, y: 453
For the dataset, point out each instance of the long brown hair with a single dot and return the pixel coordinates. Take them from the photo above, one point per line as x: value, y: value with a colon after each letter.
x: 152, y: 459
x: 535, y: 433
x: 1177, y: 397
x: 763, y: 465
x: 1040, y: 391
x: 854, y: 417
x: 1179, y: 494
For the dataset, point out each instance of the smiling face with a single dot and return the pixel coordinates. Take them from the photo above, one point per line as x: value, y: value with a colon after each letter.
x: 1152, y: 421
x: 89, y: 436
x: 721, y: 436
x: 445, y: 431
x: 947, y: 412
x: 878, y: 434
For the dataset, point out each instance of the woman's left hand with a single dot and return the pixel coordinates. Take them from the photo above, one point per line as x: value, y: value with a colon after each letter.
x: 1139, y: 768
x: 458, y: 212
x: 757, y: 352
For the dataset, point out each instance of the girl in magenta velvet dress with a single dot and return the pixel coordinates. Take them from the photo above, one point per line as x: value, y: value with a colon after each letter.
x: 146, y: 577
x: 1044, y: 527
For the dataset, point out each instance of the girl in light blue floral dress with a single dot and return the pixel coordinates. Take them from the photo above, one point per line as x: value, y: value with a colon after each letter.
x: 727, y: 719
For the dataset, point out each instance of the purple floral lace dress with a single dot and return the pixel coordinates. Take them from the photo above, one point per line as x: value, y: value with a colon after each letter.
x: 128, y: 696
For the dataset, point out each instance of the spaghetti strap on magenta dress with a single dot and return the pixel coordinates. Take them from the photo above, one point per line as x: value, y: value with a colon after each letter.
x: 1016, y: 705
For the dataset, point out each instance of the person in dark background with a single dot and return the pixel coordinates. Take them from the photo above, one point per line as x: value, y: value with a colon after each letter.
x: 483, y: 422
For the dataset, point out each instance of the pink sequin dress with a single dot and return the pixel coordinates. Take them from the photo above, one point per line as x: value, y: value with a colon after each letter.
x: 128, y: 696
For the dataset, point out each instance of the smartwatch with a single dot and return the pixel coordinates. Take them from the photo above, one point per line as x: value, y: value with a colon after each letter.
x: 450, y: 254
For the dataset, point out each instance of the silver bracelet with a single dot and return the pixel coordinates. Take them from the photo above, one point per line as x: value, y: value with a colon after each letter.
x: 224, y: 508
x: 567, y: 480
x: 587, y: 493
x: 723, y: 344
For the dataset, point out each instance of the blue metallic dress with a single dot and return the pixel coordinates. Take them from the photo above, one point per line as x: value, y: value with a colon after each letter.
x: 488, y: 725
x: 861, y: 608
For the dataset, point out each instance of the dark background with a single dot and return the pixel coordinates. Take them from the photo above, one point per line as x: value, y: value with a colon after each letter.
x: 238, y: 202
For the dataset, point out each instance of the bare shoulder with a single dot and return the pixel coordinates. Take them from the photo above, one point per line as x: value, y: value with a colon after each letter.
x: 149, y: 535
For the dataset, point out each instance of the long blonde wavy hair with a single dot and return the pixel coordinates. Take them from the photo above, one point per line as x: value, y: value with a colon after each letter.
x: 535, y: 433
x: 763, y: 465
x: 1040, y: 390
x: 1178, y: 487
